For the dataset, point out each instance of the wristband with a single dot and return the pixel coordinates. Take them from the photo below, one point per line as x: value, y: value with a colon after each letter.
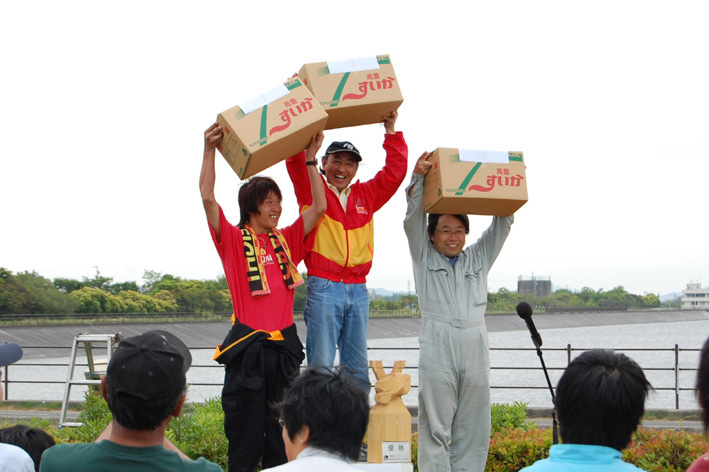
x: 311, y: 163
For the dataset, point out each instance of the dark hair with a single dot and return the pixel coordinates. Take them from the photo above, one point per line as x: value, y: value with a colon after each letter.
x: 140, y: 417
x: 252, y: 194
x: 33, y: 440
x: 703, y: 384
x: 600, y: 399
x: 433, y: 222
x: 333, y: 407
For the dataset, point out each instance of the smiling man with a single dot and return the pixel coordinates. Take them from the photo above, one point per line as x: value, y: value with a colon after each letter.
x: 262, y: 352
x: 454, y: 366
x: 337, y: 305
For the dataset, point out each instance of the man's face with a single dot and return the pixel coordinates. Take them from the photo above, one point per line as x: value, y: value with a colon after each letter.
x: 340, y: 168
x: 269, y: 213
x: 449, y: 236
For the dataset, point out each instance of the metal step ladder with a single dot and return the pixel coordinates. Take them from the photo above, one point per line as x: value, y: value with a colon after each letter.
x: 93, y: 377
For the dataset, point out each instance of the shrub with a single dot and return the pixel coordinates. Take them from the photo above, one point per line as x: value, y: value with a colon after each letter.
x: 509, y: 416
x: 512, y: 448
x: 200, y: 432
x: 515, y: 442
x: 94, y: 415
x: 664, y: 451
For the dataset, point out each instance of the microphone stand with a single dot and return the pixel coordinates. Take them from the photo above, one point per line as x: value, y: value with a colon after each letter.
x: 554, y: 425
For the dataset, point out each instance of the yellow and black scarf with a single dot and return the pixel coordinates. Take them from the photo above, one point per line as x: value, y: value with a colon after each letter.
x: 254, y: 268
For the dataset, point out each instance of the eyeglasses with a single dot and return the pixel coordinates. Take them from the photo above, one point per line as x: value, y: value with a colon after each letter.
x: 448, y: 232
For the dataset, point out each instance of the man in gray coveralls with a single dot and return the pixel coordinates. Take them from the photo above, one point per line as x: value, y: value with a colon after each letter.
x: 454, y: 366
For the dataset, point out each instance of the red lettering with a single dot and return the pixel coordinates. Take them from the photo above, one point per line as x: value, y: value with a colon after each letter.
x: 285, y: 117
x: 353, y: 96
x: 368, y: 85
x: 286, y: 114
x: 499, y: 180
x: 305, y: 105
x: 388, y: 82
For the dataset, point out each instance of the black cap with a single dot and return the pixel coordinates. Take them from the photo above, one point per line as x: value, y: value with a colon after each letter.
x: 343, y: 146
x: 149, y: 368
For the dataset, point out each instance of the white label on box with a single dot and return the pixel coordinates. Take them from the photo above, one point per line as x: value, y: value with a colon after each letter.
x: 494, y: 157
x: 353, y: 65
x: 264, y: 99
x: 396, y: 452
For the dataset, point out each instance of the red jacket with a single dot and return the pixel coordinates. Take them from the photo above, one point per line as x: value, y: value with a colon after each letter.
x: 344, y: 241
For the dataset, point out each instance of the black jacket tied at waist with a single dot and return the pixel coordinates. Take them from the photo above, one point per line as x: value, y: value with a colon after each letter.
x: 244, y: 348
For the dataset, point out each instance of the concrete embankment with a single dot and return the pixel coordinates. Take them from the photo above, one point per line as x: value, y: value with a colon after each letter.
x: 203, y: 334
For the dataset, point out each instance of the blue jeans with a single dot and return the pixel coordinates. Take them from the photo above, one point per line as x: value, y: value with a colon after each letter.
x: 336, y: 315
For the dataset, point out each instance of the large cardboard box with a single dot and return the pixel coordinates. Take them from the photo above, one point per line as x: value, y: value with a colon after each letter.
x: 270, y: 128
x: 354, y: 92
x: 475, y: 182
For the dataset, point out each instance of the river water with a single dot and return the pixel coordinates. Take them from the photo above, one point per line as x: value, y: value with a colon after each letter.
x: 651, y: 345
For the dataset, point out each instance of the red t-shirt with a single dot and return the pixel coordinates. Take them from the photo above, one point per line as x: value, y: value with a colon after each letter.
x: 268, y: 312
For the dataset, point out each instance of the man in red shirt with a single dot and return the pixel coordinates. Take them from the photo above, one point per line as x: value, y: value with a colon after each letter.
x: 262, y: 352
x: 337, y: 306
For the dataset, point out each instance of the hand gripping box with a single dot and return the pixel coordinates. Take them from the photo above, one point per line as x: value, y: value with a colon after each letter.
x: 355, y: 91
x: 270, y: 128
x: 475, y: 182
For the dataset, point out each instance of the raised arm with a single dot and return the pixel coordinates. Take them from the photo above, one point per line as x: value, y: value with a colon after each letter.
x: 390, y: 122
x: 312, y: 215
x: 212, y: 137
x: 415, y: 221
x: 387, y: 181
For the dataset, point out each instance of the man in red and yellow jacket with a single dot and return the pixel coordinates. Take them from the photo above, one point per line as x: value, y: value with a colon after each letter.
x: 337, y: 306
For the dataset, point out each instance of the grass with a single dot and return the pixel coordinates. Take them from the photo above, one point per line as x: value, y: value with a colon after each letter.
x: 29, y: 405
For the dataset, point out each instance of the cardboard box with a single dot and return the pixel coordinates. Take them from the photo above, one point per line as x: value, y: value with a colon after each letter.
x: 475, y: 182
x: 270, y: 128
x: 354, y: 92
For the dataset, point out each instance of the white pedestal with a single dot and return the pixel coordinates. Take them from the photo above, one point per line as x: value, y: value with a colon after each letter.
x: 391, y: 467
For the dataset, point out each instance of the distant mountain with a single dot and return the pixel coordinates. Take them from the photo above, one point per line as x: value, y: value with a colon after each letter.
x: 382, y: 292
x: 670, y: 296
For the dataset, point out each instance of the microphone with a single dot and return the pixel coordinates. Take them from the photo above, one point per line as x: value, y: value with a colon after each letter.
x: 524, y: 310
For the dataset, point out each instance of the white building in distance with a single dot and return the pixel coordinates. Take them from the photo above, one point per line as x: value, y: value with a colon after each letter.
x: 694, y: 297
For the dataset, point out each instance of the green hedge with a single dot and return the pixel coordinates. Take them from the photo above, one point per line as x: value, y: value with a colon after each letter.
x: 515, y: 441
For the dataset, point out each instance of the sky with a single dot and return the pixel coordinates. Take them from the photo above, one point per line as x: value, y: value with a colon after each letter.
x: 103, y: 107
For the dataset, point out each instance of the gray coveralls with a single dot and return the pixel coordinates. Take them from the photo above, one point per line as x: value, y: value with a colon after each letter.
x: 454, y: 364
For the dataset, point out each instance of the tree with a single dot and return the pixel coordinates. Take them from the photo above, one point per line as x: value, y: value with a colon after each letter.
x: 94, y: 300
x: 28, y: 292
x: 194, y: 295
x: 150, y: 277
x: 301, y: 293
x: 166, y: 302
x: 67, y: 285
x: 563, y: 298
x: 506, y: 301
x: 651, y: 301
x: 10, y: 298
x: 100, y: 282
x: 123, y: 286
